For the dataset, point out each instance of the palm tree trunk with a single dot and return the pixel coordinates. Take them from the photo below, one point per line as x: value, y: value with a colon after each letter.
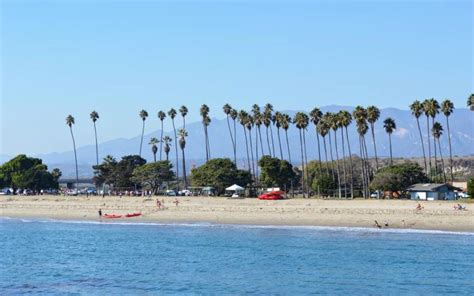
x: 442, y: 161
x: 435, y: 157
x: 332, y: 158
x: 167, y: 156
x: 375, y: 146
x: 235, y: 143
x: 206, y: 142
x: 176, y: 152
x: 184, y: 169
x: 141, y: 142
x: 367, y: 165
x: 96, y: 145
x: 154, y: 156
x: 319, y: 150
x: 337, y: 167
x: 350, y: 163
x: 279, y: 143
x: 450, y: 151
x: 344, y: 163
x: 390, y: 143
x: 273, y: 144
x: 326, y: 155
x: 429, y: 145
x: 256, y: 155
x: 251, y: 152
x: 422, y: 144
x: 288, y: 145
x: 247, y: 146
x: 75, y: 154
x: 231, y: 138
x: 302, y: 165
x: 362, y: 166
x: 261, y: 142
x: 161, y: 140
x: 268, y: 143
x: 306, y: 163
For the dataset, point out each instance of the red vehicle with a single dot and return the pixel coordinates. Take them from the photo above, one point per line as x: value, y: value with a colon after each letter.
x: 133, y: 215
x: 112, y: 216
x: 272, y: 195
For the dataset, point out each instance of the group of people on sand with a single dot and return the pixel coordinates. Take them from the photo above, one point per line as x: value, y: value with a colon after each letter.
x: 160, y: 204
x: 376, y: 224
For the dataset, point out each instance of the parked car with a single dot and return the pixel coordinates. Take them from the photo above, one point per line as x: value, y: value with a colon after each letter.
x: 6, y: 191
x: 170, y: 193
x: 463, y: 195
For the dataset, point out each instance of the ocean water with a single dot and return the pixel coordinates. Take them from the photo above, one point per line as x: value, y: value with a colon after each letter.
x: 58, y: 257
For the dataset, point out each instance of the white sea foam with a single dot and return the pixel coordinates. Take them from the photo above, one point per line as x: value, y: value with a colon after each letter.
x: 247, y: 226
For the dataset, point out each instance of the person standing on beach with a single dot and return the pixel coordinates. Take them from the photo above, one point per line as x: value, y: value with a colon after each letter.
x: 100, y: 213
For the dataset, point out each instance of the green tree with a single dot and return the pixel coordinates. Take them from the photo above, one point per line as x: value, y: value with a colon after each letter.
x: 470, y: 188
x: 143, y: 115
x: 70, y: 122
x: 94, y: 116
x: 276, y: 172
x: 398, y: 177
x: 470, y: 103
x: 56, y: 173
x: 105, y: 173
x: 27, y: 173
x: 167, y: 140
x: 153, y: 175
x: 389, y: 126
x: 447, y: 107
x: 124, y: 170
x: 220, y: 173
x: 161, y: 116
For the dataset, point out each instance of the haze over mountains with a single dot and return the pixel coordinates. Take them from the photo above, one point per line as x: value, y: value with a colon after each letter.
x: 405, y: 139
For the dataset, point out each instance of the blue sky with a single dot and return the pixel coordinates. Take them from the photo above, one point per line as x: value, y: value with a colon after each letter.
x: 71, y: 57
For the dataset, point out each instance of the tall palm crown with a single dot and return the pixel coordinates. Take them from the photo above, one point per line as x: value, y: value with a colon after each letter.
x: 389, y: 125
x: 360, y: 115
x: 172, y: 113
x: 161, y: 115
x: 447, y: 107
x: 182, y: 133
x: 143, y: 115
x: 94, y: 116
x: 167, y: 140
x: 373, y: 114
x: 345, y: 118
x: 301, y: 120
x: 285, y: 121
x: 154, y: 148
x: 204, y: 110
x: 242, y: 117
x: 437, y: 130
x: 470, y: 102
x: 227, y: 109
x: 233, y: 114
x: 70, y: 120
x: 183, y: 110
x: 416, y: 109
x: 278, y: 118
x: 315, y: 115
x: 431, y: 107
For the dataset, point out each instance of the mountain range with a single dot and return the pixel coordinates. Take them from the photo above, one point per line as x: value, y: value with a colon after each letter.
x: 405, y: 139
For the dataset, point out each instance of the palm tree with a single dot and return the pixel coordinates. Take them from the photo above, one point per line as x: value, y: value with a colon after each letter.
x: 327, y: 118
x: 258, y: 119
x: 243, y: 121
x: 143, y: 115
x: 94, y: 116
x: 204, y: 111
x: 154, y: 148
x: 373, y: 114
x: 182, y: 144
x: 417, y: 110
x: 285, y: 124
x: 301, y: 122
x: 161, y: 116
x: 323, y: 129
x: 184, y: 111
x: 334, y: 123
x: 172, y: 114
x: 340, y: 120
x: 267, y: 120
x: 437, y: 131
x: 70, y: 121
x: 167, y: 140
x: 315, y: 116
x: 470, y: 102
x: 447, y: 107
x: 233, y: 114
x: 278, y: 126
x: 249, y: 125
x: 360, y: 116
x: 227, y: 109
x: 431, y: 108
x: 389, y: 125
x: 346, y: 119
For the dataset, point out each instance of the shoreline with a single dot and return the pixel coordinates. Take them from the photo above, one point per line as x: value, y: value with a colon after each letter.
x: 399, y: 214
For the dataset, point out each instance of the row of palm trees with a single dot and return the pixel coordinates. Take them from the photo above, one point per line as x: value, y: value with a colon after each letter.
x: 324, y: 124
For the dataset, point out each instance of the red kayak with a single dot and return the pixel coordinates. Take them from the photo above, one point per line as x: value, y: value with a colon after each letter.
x: 133, y: 215
x: 273, y: 195
x: 112, y: 216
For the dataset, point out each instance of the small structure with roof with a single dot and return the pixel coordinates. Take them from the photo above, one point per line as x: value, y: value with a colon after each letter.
x: 432, y: 191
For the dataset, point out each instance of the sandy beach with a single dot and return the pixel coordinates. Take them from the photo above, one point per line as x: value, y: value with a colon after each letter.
x: 436, y: 215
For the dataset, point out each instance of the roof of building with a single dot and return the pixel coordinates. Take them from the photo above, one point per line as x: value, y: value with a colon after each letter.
x: 426, y: 186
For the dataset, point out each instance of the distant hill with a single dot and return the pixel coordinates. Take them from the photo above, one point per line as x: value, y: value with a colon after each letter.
x: 406, y: 142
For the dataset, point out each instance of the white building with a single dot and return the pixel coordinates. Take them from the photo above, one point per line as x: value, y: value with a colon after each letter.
x: 432, y: 191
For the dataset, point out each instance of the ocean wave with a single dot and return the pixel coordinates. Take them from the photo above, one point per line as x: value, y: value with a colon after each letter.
x: 246, y: 226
